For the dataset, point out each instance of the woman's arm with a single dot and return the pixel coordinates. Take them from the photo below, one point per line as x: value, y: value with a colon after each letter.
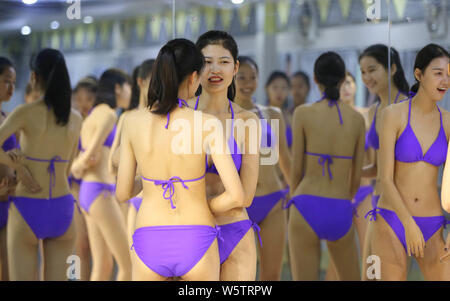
x: 285, y: 155
x: 127, y: 166
x: 14, y: 123
x: 358, y: 157
x: 234, y: 195
x: 298, y: 148
x: 114, y: 154
x: 250, y: 158
x: 105, y: 124
x: 74, y: 152
x: 390, y: 125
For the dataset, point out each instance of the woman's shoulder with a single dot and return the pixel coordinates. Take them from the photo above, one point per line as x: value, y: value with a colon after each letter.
x: 242, y: 113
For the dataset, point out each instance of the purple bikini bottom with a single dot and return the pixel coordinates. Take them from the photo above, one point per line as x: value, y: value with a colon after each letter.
x: 427, y: 224
x: 71, y: 180
x: 361, y: 195
x: 262, y: 205
x: 232, y: 235
x: 47, y: 218
x: 136, y: 202
x: 330, y: 218
x: 172, y: 251
x: 89, y: 191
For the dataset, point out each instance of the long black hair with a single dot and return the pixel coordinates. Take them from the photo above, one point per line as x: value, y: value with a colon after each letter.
x: 50, y: 68
x: 218, y: 37
x: 107, y: 85
x: 4, y: 64
x: 143, y: 71
x: 329, y: 70
x: 380, y: 53
x: 424, y: 58
x: 176, y: 60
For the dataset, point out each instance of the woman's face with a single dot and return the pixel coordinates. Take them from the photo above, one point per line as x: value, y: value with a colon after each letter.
x: 7, y: 84
x: 219, y: 69
x: 348, y: 90
x: 278, y: 91
x: 435, y: 79
x: 299, y: 90
x: 374, y: 75
x: 84, y: 100
x: 123, y: 95
x: 246, y: 81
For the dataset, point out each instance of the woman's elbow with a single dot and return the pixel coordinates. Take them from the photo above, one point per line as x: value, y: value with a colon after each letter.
x: 446, y: 205
x: 122, y: 196
x: 239, y: 198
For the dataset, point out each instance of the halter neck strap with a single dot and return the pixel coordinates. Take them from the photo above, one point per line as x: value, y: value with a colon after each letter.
x: 333, y: 102
x: 181, y: 103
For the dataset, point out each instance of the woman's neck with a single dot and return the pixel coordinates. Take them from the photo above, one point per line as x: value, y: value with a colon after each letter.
x: 214, y: 103
x: 245, y: 103
x: 142, y: 101
x: 423, y: 102
x: 384, y: 96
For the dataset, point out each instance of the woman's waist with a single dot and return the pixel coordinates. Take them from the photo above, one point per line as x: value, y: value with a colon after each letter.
x: 231, y: 216
x: 336, y: 188
x: 61, y: 188
x: 152, y: 214
x: 100, y: 176
x: 417, y: 203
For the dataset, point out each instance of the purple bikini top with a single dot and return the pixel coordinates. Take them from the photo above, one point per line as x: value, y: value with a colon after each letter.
x: 325, y: 159
x: 266, y: 131
x: 372, y: 139
x: 108, y: 142
x: 168, y: 185
x: 236, y: 154
x: 50, y: 169
x: 408, y: 148
x: 11, y: 142
x: 289, y: 135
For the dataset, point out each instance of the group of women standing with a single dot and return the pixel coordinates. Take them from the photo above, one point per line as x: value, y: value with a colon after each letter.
x: 203, y: 205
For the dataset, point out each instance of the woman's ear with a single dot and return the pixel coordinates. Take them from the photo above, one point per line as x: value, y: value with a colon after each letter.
x: 117, y: 89
x: 418, y: 74
x: 393, y: 69
x: 236, y: 68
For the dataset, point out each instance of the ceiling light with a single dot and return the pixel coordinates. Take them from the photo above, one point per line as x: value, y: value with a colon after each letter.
x: 54, y: 25
x: 237, y: 1
x: 29, y: 2
x: 88, y: 20
x: 26, y: 30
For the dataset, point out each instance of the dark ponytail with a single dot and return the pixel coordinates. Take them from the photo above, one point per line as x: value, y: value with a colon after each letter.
x: 380, y: 53
x: 135, y: 91
x: 329, y: 70
x: 51, y: 70
x: 218, y: 37
x: 424, y: 58
x: 176, y: 60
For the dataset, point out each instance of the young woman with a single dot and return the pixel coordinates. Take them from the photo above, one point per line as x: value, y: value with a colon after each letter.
x: 105, y: 222
x: 374, y: 64
x: 266, y: 209
x: 361, y: 200
x: 138, y: 101
x: 42, y: 208
x: 237, y: 250
x: 83, y: 101
x: 413, y: 140
x: 300, y: 87
x: 328, y: 151
x: 277, y: 88
x: 7, y: 87
x: 175, y: 232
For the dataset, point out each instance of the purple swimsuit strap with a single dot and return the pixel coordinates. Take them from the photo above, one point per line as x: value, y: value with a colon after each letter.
x: 257, y: 229
x: 327, y: 159
x: 181, y: 103
x: 50, y: 169
x: 168, y: 186
x: 333, y: 102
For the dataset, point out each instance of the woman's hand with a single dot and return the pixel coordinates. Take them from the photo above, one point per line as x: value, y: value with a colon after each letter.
x: 415, y: 242
x: 4, y: 186
x: 24, y: 176
x: 77, y: 169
